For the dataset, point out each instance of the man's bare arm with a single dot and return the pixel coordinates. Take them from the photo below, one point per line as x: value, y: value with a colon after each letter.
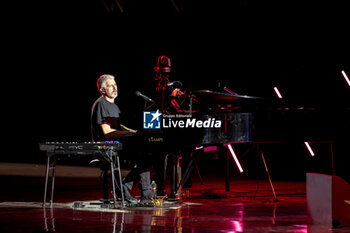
x: 128, y: 129
x: 113, y: 133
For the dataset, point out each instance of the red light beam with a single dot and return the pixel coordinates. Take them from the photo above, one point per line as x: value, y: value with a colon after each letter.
x: 345, y: 77
x: 309, y: 148
x: 277, y: 92
x: 235, y: 158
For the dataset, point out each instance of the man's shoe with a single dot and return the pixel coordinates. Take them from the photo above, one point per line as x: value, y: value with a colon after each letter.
x: 128, y: 197
x: 147, y: 196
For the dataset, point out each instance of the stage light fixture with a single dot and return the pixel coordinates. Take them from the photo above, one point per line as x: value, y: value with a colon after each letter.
x: 345, y: 77
x: 309, y: 148
x: 235, y: 158
x: 277, y: 92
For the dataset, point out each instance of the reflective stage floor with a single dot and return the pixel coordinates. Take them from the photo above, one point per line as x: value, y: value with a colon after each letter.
x: 248, y: 207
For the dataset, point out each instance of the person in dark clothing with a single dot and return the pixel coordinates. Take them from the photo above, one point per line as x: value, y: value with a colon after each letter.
x: 105, y: 125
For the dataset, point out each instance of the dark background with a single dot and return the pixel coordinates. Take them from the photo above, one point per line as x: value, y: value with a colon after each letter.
x: 53, y: 53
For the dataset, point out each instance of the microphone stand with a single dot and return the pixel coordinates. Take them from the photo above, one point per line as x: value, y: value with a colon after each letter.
x: 145, y: 107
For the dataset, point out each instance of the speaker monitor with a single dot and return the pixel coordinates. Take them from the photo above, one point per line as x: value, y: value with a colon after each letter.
x: 328, y: 200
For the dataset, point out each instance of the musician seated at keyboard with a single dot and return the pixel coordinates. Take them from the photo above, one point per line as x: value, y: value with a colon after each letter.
x: 105, y: 116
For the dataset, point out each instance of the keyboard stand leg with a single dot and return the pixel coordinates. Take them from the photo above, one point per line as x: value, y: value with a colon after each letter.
x: 120, y: 181
x: 52, y: 183
x: 113, y: 182
x: 46, y: 179
x: 53, y: 173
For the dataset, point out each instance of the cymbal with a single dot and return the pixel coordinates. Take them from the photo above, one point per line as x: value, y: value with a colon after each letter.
x: 220, y: 95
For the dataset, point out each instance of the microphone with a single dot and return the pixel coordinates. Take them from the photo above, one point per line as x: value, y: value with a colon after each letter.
x: 174, y: 82
x: 143, y: 96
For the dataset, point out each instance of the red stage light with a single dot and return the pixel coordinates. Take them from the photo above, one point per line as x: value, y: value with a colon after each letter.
x: 345, y: 77
x: 235, y: 158
x: 309, y: 148
x: 277, y: 92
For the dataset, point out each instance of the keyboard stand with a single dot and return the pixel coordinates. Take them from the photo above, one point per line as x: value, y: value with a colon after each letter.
x: 111, y: 156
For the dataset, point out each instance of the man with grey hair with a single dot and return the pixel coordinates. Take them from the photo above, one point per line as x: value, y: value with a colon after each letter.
x: 105, y: 125
x: 105, y: 113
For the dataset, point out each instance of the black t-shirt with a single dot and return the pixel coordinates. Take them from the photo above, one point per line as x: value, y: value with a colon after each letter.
x: 103, y: 112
